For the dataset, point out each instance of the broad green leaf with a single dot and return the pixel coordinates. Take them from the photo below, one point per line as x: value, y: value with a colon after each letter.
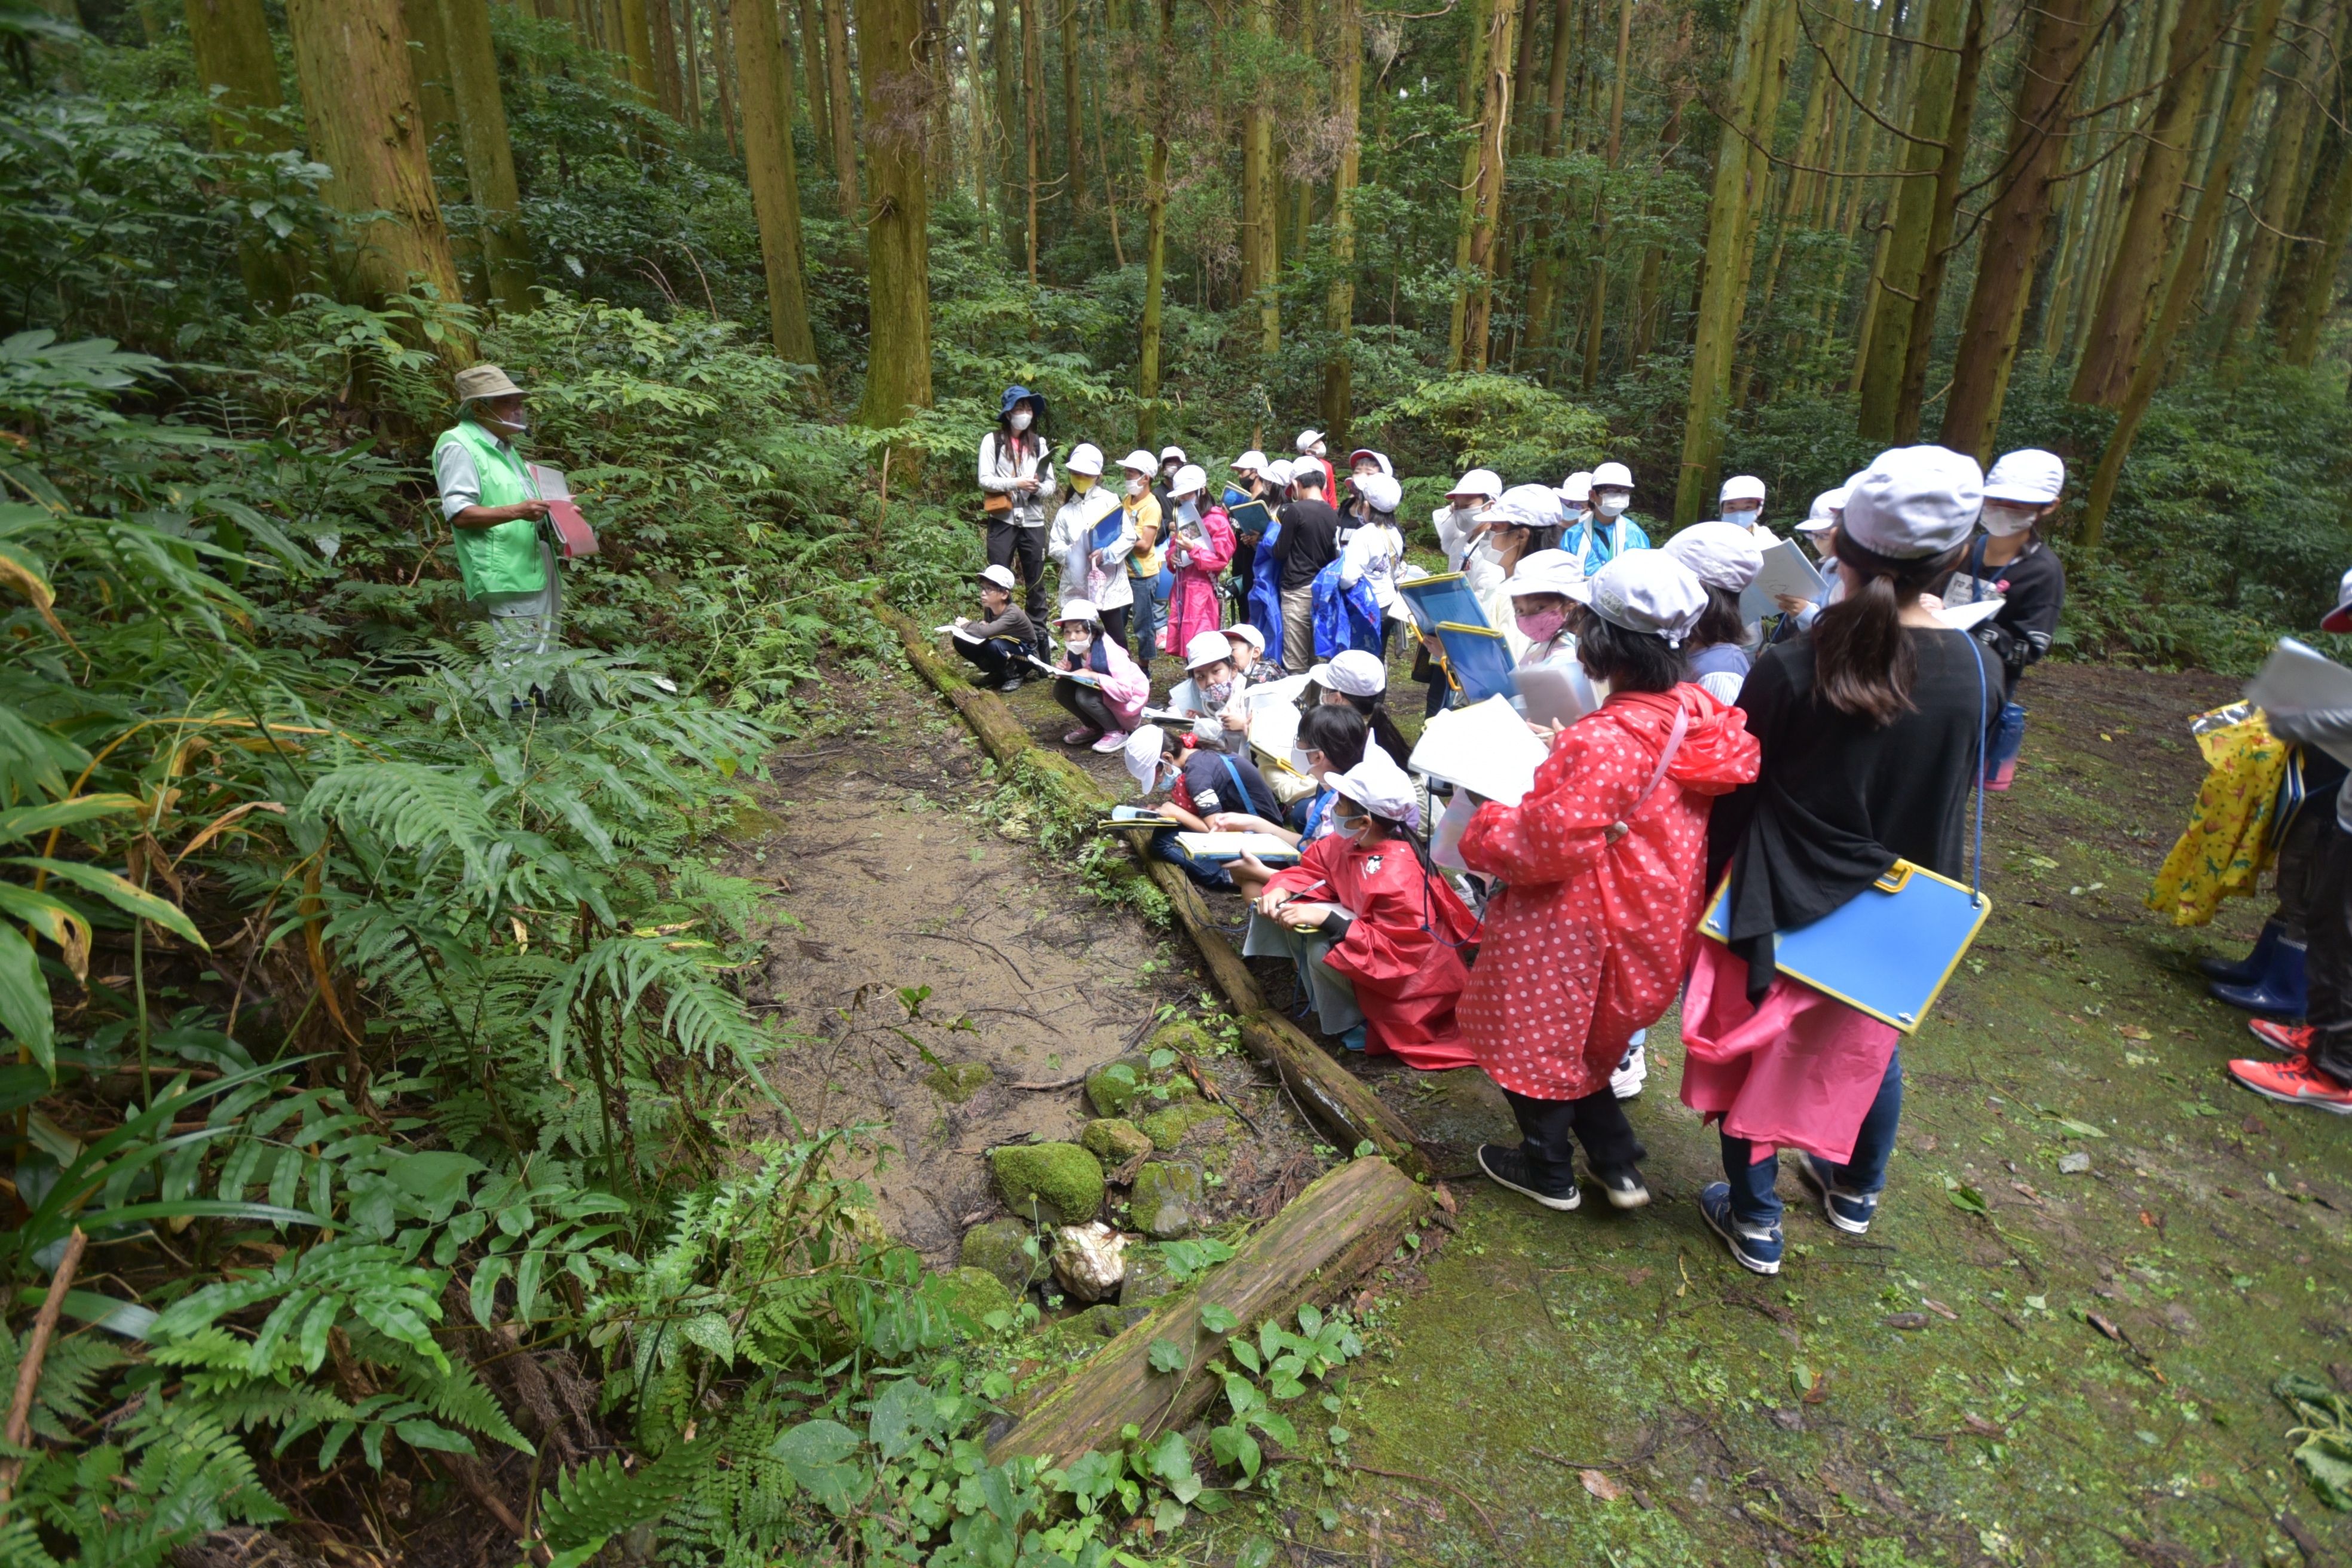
x: 818, y: 1454
x: 24, y: 999
x: 124, y: 896
x: 1217, y: 1318
x: 24, y: 821
x: 1167, y: 1355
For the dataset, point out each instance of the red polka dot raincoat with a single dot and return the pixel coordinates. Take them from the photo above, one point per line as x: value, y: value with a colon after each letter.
x: 1588, y: 939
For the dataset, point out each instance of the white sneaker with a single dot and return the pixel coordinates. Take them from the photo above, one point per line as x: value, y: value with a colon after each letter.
x: 1631, y: 1073
x: 1112, y: 741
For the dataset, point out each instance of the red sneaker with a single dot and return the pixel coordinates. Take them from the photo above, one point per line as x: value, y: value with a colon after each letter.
x: 2286, y: 1039
x: 2296, y: 1082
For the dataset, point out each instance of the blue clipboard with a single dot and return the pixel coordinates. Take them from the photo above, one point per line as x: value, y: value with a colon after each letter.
x: 1445, y: 597
x: 1250, y: 517
x: 1106, y: 532
x: 1886, y: 952
x: 1479, y: 660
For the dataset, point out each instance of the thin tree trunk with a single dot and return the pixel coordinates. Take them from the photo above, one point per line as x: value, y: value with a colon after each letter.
x: 1922, y: 156
x: 2016, y: 226
x: 489, y: 155
x: 722, y: 55
x: 765, y: 72
x: 813, y: 73
x: 1164, y: 76
x: 1033, y: 101
x: 845, y: 130
x: 1494, y: 145
x: 359, y: 99
x: 894, y: 67
x: 1339, y: 316
x: 1937, y: 259
x: 1261, y: 243
x: 428, y: 61
x: 1596, y: 312
x: 1760, y: 71
x: 1479, y: 19
x: 661, y: 26
x: 231, y: 41
x: 2188, y: 272
x: 1543, y: 278
x: 1302, y: 192
x: 1648, y: 290
x: 2278, y: 186
x: 1074, y: 152
x: 1110, y: 190
x: 2306, y: 285
x: 2136, y: 274
x: 688, y: 28
x: 637, y: 42
x: 983, y: 142
x: 1004, y: 52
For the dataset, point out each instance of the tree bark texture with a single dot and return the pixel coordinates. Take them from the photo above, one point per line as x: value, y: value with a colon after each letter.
x: 2306, y: 288
x: 1478, y: 18
x: 722, y: 55
x: 637, y: 42
x: 1261, y: 215
x: 1033, y: 109
x: 428, y: 62
x: 1155, y: 231
x: 1595, y: 311
x: 1073, y: 151
x: 1493, y: 146
x: 894, y: 69
x: 2277, y: 188
x: 844, y: 133
x: 1921, y: 154
x: 489, y: 155
x: 1339, y: 315
x: 813, y: 71
x: 689, y: 28
x: 231, y: 41
x: 1937, y: 258
x: 765, y: 73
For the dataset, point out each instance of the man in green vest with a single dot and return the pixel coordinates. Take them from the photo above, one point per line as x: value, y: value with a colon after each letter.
x: 492, y: 503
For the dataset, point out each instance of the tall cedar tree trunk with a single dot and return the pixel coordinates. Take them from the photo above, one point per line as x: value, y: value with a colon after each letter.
x: 231, y: 39
x: 722, y: 54
x: 1543, y: 278
x: 2150, y: 230
x: 844, y: 133
x: 360, y: 101
x: 1937, y: 259
x: 690, y: 28
x: 2016, y: 226
x: 489, y: 155
x: 1648, y: 299
x: 1596, y: 311
x: 1478, y: 17
x: 637, y: 42
x: 2188, y: 271
x: 2306, y: 288
x: 813, y: 71
x: 1302, y: 192
x: 1004, y: 52
x: 983, y: 139
x: 1494, y: 144
x: 1759, y: 73
x: 1339, y: 316
x: 2276, y: 185
x: 661, y: 28
x: 1922, y: 154
x: 894, y: 69
x: 1261, y: 232
x: 428, y: 64
x: 1164, y: 76
x: 1033, y: 106
x: 1074, y: 150
x: 765, y: 74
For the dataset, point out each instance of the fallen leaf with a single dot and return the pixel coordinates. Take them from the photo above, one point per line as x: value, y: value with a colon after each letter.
x: 1906, y: 1320
x: 1819, y: 1391
x: 1935, y: 1306
x: 1967, y: 1200
x: 2147, y: 1219
x: 2132, y: 1032
x: 1600, y: 1486
x: 2032, y: 1196
x: 2253, y: 1124
x: 1444, y: 1198
x: 1982, y: 1427
x: 2105, y: 1325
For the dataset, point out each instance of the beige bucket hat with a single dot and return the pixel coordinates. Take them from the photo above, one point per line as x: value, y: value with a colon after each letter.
x: 485, y: 381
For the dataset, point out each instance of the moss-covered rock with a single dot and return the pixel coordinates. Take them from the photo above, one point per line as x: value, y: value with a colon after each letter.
x: 1184, y: 1036
x: 1001, y: 1248
x: 1166, y: 1129
x: 1166, y: 1201
x: 1057, y: 1184
x: 1149, y: 1277
x: 1112, y: 1087
x: 976, y: 1292
x: 956, y: 1082
x: 1115, y: 1141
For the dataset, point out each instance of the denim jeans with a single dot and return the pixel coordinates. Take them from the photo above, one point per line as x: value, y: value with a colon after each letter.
x: 1754, y: 1202
x: 1145, y: 623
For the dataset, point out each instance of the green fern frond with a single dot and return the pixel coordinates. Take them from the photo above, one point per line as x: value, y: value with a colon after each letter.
x: 459, y: 1398
x: 601, y: 1498
x: 244, y: 1405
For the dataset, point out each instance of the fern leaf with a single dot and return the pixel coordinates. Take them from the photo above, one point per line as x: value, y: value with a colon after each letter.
x: 601, y: 1499
x: 458, y: 1397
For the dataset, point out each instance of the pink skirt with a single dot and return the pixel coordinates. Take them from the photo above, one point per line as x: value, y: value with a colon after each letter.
x: 1800, y: 1070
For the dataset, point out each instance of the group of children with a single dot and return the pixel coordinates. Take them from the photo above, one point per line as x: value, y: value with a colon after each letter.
x: 1538, y: 941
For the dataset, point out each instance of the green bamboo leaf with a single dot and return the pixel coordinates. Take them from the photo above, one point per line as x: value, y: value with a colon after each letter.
x: 24, y: 821
x: 24, y: 999
x: 124, y: 896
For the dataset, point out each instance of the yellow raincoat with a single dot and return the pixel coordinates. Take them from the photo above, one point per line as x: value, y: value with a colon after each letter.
x: 2228, y: 841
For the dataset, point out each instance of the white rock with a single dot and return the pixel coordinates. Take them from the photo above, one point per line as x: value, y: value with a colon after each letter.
x: 2074, y: 1164
x: 1090, y: 1260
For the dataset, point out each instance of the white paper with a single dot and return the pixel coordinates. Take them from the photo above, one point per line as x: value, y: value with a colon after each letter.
x: 1960, y: 617
x: 1785, y: 571
x: 1553, y: 693
x: 551, y: 484
x: 2299, y: 678
x: 1487, y: 749
x: 957, y: 632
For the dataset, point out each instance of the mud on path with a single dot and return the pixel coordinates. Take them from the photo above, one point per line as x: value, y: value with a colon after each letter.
x: 894, y: 876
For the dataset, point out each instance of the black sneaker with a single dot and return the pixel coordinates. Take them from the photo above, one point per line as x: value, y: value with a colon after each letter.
x: 1009, y: 685
x: 1623, y: 1187
x: 1508, y: 1168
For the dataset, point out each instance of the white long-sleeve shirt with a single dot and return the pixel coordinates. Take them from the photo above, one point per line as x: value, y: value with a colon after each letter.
x: 1070, y: 545
x: 1370, y: 557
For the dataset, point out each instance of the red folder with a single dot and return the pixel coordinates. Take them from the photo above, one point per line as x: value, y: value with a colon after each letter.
x: 573, y: 537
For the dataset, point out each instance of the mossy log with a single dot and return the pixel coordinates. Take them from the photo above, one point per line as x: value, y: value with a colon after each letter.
x: 1322, y: 1246
x: 1327, y: 1092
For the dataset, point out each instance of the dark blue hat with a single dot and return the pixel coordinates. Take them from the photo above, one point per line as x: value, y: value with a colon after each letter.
x: 1013, y: 395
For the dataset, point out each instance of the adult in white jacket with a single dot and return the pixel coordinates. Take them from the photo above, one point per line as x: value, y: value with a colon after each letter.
x: 1096, y: 575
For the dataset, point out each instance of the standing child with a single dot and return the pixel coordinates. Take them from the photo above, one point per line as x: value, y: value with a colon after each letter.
x: 2012, y: 562
x: 1200, y: 547
x: 1726, y: 557
x: 1144, y: 515
x: 998, y: 644
x: 1101, y: 688
x: 1093, y: 568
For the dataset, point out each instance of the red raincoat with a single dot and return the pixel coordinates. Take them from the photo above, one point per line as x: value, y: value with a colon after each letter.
x: 1407, y: 978
x: 1192, y: 606
x: 1587, y: 940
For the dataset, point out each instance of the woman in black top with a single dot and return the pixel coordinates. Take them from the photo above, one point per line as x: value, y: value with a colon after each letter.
x: 1871, y: 726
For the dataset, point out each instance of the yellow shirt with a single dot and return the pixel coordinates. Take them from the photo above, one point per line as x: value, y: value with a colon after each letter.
x: 1143, y: 510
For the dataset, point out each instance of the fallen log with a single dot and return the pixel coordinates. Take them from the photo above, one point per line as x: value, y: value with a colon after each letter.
x: 1327, y: 1092
x: 1320, y: 1248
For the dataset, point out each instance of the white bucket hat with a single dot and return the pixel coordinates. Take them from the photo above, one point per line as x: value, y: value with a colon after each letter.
x: 1576, y: 489
x: 1141, y: 461
x: 1546, y: 572
x: 1175, y: 452
x: 1353, y: 673
x: 2028, y: 477
x: 999, y: 576
x: 1207, y: 647
x: 1383, y: 492
x: 1085, y: 457
x: 1914, y: 501
x: 1141, y: 756
x: 1189, y: 478
x: 1308, y: 437
x: 1647, y: 591
x: 1719, y: 554
x: 1523, y: 506
x: 1277, y: 471
x: 1825, y: 513
x: 1242, y: 631
x: 1250, y: 462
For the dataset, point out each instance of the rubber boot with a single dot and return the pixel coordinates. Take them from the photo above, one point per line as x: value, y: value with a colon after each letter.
x: 2248, y: 969
x: 2280, y: 990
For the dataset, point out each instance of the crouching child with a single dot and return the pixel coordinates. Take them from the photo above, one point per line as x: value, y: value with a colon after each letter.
x: 1201, y: 783
x: 999, y: 645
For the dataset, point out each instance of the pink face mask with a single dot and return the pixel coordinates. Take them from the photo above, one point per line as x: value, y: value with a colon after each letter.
x: 1543, y: 624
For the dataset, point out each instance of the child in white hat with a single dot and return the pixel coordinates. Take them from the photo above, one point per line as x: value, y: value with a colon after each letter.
x: 1607, y: 531
x: 1726, y: 557
x: 1200, y: 783
x: 998, y: 645
x: 1098, y: 684
x: 1090, y: 538
x: 2010, y: 561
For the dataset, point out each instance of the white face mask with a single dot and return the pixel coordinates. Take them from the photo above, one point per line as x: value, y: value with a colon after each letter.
x: 1316, y: 449
x: 1078, y: 646
x: 1137, y: 485
x: 1745, y: 514
x: 1463, y: 511
x: 1610, y: 506
x: 1353, y: 828
x: 2001, y: 522
x: 1489, y: 555
x: 1022, y: 419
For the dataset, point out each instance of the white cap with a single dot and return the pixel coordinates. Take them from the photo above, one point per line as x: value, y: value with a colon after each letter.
x: 1207, y: 647
x: 1523, y: 506
x: 1825, y: 513
x: 1380, y: 460
x: 1914, y: 501
x: 1381, y: 788
x: 1647, y: 591
x: 1141, y: 461
x: 1478, y: 483
x: 1175, y: 452
x: 1616, y: 473
x: 1741, y: 487
x: 1354, y: 673
x: 1546, y: 572
x: 1383, y: 492
x: 1191, y: 477
x: 1306, y: 470
x: 998, y: 576
x: 2339, y: 619
x: 1077, y: 610
x: 1277, y: 472
x: 1250, y: 462
x: 2030, y: 477
x: 1577, y: 488
x: 1719, y: 554
x: 1242, y: 631
x: 1141, y: 756
x: 1308, y: 437
x: 1085, y: 457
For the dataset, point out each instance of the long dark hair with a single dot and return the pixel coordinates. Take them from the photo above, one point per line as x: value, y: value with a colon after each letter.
x: 1014, y: 439
x: 1721, y: 623
x: 1375, y: 709
x: 1339, y: 733
x: 1628, y: 661
x: 1863, y: 662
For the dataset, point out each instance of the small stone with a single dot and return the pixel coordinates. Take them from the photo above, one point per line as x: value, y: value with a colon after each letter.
x: 1184, y: 1036
x: 1166, y: 1129
x: 1115, y: 1141
x: 1051, y: 1184
x: 1788, y: 1420
x: 2074, y: 1164
x: 1090, y: 1261
x: 976, y: 1292
x: 959, y: 1081
x: 1112, y: 1087
x: 2178, y: 1316
x: 1166, y: 1201
x: 1001, y: 1248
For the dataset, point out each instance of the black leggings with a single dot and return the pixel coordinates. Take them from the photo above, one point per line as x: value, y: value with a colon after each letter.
x: 994, y: 657
x: 1086, y: 704
x: 1115, y: 625
x: 1597, y: 1121
x: 2328, y: 1010
x: 1021, y: 551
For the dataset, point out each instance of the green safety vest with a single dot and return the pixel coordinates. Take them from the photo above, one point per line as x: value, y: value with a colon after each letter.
x: 505, y: 557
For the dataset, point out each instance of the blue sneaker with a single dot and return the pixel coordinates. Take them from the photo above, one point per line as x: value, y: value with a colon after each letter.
x: 1849, y: 1212
x: 1754, y: 1248
x: 1353, y: 1038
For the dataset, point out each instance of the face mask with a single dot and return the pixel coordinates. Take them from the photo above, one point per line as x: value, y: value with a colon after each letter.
x: 1217, y: 695
x: 1022, y: 419
x: 1463, y: 511
x: 1353, y: 828
x: 1078, y: 646
x: 1610, y: 506
x: 1489, y: 555
x: 2001, y: 522
x: 1137, y: 485
x: 1742, y: 515
x: 1543, y: 624
x: 1317, y: 449
x: 1166, y: 777
x: 1082, y: 483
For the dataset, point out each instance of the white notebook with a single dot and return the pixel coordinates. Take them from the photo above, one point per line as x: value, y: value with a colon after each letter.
x: 1488, y: 750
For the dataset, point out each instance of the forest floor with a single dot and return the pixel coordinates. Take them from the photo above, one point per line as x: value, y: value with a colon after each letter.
x: 2017, y: 1364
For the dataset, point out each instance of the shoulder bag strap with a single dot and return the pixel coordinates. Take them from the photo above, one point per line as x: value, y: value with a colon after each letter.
x: 1619, y: 828
x: 1976, y: 857
x: 1249, y: 801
